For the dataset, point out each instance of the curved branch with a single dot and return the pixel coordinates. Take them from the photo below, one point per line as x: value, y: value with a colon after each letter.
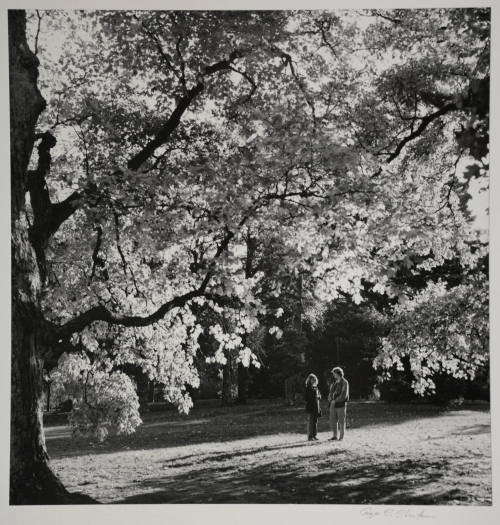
x: 54, y: 215
x: 249, y: 79
x: 61, y: 211
x: 101, y: 313
x: 167, y: 129
x: 425, y: 121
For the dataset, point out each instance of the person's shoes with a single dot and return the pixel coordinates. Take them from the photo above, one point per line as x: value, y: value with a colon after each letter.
x: 315, y: 438
x: 310, y: 439
x: 333, y: 439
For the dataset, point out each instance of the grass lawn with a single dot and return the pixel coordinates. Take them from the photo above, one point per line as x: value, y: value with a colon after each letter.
x: 391, y: 454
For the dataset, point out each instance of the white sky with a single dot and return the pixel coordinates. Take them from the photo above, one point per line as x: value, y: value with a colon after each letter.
x: 479, y: 205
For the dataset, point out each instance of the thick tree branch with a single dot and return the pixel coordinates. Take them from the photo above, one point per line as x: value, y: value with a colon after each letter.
x: 61, y: 211
x: 101, y: 313
x: 425, y: 121
x: 39, y: 194
x: 166, y: 130
x: 49, y: 217
x: 97, y: 261
x: 171, y: 124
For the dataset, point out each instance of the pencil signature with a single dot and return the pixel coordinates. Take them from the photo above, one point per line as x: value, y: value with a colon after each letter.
x: 373, y: 512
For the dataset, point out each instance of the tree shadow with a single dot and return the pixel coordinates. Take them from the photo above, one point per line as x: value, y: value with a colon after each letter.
x: 473, y: 431
x: 400, y: 482
x: 218, y: 425
x: 189, y: 460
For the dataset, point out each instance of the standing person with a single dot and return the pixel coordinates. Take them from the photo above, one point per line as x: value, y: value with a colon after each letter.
x: 339, y: 394
x: 312, y: 398
x: 332, y: 385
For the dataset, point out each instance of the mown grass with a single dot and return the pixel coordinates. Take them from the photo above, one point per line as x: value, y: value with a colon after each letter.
x: 392, y: 454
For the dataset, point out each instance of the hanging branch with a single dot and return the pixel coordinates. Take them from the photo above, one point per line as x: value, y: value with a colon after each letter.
x: 37, y: 30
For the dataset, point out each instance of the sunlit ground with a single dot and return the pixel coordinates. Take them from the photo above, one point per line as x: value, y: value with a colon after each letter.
x: 392, y: 454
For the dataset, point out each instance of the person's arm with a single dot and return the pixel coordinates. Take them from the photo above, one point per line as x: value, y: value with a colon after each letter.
x: 309, y: 395
x: 331, y: 392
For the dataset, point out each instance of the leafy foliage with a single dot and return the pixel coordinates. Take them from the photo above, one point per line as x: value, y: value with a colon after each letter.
x: 104, y: 401
x: 439, y: 330
x: 327, y: 136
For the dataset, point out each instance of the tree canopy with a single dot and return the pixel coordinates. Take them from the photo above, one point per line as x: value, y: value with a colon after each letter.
x: 335, y: 140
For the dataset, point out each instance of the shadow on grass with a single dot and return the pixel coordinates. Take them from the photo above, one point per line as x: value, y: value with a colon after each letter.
x: 216, y: 424
x: 190, y: 460
x: 401, y: 482
x: 473, y: 431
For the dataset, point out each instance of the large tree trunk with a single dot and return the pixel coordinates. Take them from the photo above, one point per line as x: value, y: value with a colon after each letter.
x: 31, y: 478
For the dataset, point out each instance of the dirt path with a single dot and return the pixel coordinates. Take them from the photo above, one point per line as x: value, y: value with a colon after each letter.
x: 392, y: 454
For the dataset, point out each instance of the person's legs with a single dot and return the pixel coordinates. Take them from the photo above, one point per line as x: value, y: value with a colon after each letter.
x: 331, y: 417
x: 341, y: 417
x: 314, y: 425
x: 333, y: 420
x: 310, y: 425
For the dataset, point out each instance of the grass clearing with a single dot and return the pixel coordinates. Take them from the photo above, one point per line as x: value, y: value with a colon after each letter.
x: 392, y: 454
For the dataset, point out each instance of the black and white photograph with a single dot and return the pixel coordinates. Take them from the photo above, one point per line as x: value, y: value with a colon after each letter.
x: 249, y: 256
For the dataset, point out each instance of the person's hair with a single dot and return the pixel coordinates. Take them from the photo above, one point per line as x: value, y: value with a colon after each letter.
x: 338, y: 370
x: 310, y: 378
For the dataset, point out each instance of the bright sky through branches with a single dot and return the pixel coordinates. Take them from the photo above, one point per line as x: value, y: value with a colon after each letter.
x: 54, y: 44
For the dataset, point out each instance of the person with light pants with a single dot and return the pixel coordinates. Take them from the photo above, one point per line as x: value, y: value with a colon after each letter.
x: 338, y: 397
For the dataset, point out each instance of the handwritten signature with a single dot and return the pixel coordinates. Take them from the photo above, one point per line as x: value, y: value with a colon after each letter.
x: 373, y: 512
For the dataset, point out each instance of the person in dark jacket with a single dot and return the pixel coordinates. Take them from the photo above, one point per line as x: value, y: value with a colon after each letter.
x: 312, y: 398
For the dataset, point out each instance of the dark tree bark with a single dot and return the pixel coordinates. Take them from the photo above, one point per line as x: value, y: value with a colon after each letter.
x: 243, y: 377
x: 229, y: 374
x: 31, y: 479
x: 230, y: 381
x: 251, y: 268
x: 243, y: 373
